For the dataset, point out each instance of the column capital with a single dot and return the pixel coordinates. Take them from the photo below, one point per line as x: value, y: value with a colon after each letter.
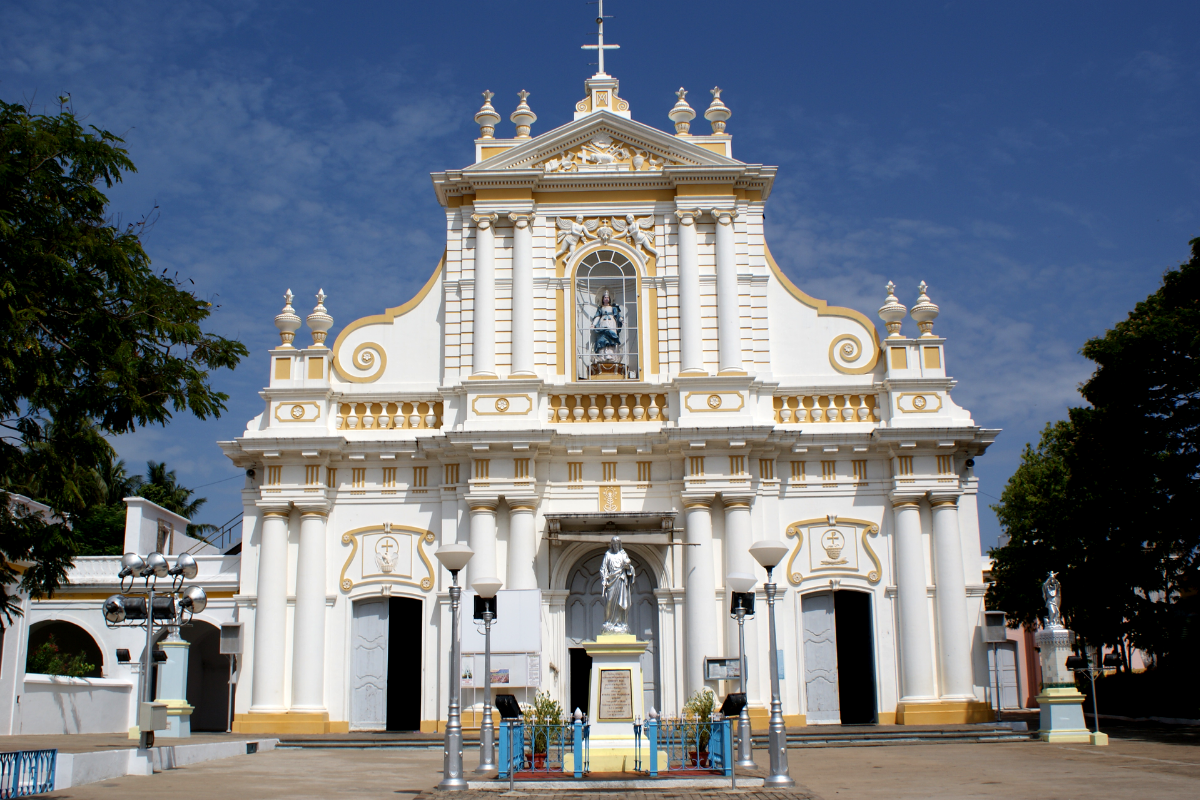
x: 687, y: 216
x: 902, y: 499
x: 521, y: 220
x: 484, y: 221
x: 944, y: 498
x: 274, y: 508
x: 698, y: 499
x: 520, y: 503
x: 736, y: 500
x: 313, y: 509
x: 724, y: 216
x: 480, y: 504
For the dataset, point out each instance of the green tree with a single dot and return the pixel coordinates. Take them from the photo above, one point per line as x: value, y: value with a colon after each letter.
x: 162, y: 487
x: 92, y: 341
x: 1109, y: 498
x: 48, y: 659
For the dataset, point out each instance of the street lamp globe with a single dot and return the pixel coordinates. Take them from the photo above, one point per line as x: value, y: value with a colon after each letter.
x: 486, y: 587
x: 454, y: 556
x: 741, y: 582
x: 768, y: 552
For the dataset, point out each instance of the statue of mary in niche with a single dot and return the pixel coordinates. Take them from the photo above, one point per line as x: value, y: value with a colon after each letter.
x: 606, y: 326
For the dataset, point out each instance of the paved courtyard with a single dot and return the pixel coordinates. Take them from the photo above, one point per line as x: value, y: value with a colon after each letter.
x: 1138, y: 764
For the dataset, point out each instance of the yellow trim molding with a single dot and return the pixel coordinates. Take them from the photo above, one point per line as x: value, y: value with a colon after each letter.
x: 387, y: 316
x: 823, y: 309
x: 293, y: 416
x: 920, y: 402
x: 945, y: 712
x: 424, y: 537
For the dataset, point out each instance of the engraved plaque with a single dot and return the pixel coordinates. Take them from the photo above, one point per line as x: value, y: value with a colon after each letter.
x: 616, y: 694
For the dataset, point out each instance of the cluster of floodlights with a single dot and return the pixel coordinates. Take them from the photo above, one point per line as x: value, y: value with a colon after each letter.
x: 169, y: 608
x: 126, y: 610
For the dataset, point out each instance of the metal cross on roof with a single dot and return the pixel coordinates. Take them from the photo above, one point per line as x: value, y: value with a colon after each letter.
x: 600, y: 46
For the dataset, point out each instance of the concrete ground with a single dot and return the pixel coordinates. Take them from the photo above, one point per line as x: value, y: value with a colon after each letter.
x: 1141, y: 762
x: 91, y: 742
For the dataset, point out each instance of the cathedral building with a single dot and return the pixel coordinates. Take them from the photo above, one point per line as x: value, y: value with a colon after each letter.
x: 607, y: 346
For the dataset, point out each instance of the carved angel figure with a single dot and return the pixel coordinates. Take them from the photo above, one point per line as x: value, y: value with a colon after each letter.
x: 635, y: 230
x: 572, y: 233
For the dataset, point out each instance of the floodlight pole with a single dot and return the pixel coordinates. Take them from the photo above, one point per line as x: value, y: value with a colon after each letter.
x: 777, y: 732
x: 452, y: 766
x: 145, y: 737
x: 487, y: 735
x: 745, y: 757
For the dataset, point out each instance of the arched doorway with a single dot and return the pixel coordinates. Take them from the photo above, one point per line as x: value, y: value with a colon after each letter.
x: 57, y: 647
x: 839, y: 658
x: 207, y: 677
x: 585, y: 616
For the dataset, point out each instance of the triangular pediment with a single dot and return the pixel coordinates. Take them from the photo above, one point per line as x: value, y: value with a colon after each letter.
x: 603, y: 142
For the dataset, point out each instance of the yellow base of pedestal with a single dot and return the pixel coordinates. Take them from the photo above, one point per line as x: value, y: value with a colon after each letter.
x: 614, y: 760
x: 288, y: 723
x: 1068, y: 737
x: 956, y: 712
x: 760, y: 719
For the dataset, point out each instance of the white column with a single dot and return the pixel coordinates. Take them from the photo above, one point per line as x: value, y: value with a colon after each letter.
x: 522, y: 546
x: 270, y: 614
x: 954, y: 635
x: 916, y: 661
x: 483, y: 333
x: 691, y: 346
x: 482, y: 538
x: 522, y: 296
x: 308, y: 640
x: 729, y: 307
x: 738, y: 538
x: 700, y: 585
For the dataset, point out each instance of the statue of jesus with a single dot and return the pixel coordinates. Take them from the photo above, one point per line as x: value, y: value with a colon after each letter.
x: 617, y: 575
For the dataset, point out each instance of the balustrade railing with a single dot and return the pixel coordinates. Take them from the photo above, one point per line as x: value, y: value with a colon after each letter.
x: 400, y: 415
x: 599, y: 406
x: 827, y: 408
x: 27, y: 772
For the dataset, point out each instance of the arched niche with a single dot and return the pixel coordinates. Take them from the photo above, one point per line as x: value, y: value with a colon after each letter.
x: 69, y: 638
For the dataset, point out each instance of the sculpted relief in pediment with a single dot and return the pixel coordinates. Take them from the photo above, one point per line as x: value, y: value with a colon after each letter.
x: 604, y: 153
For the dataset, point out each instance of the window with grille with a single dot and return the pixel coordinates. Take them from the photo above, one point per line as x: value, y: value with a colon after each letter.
x: 389, y: 477
x: 829, y: 470
x: 575, y: 471
x: 451, y: 474
x: 945, y: 465
x: 274, y: 476
x: 695, y: 465
x: 420, y: 477
x: 737, y: 465
x: 610, y: 470
x: 331, y: 477
x: 644, y: 471
x: 904, y: 465
x: 860, y: 469
x: 483, y: 468
x: 520, y: 468
x: 798, y: 471
x: 606, y: 314
x: 358, y: 477
x: 312, y: 475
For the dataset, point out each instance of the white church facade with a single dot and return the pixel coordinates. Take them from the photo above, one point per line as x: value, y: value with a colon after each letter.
x: 608, y: 346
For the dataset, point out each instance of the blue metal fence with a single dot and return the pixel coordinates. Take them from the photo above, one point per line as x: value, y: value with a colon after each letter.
x: 27, y: 772
x: 690, y: 744
x: 542, y: 748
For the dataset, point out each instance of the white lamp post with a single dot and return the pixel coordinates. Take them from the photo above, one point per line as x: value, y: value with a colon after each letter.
x: 742, y: 584
x: 487, y: 588
x: 453, y: 557
x: 768, y: 553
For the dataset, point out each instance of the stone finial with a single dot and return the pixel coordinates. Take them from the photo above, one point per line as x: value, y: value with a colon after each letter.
x: 487, y: 117
x: 287, y: 321
x: 523, y: 117
x: 924, y: 312
x: 892, y: 312
x: 682, y: 114
x: 717, y: 111
x: 319, y: 321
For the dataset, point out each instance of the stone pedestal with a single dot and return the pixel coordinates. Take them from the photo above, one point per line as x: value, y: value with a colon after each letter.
x: 616, y: 695
x: 172, y: 688
x: 1060, y: 702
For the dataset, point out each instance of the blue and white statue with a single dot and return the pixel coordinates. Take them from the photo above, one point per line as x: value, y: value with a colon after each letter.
x: 606, y: 326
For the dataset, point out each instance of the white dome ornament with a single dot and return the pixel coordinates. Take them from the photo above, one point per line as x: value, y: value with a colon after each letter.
x: 892, y: 312
x: 487, y: 117
x: 682, y: 114
x: 717, y: 112
x: 319, y: 321
x: 523, y: 117
x: 924, y: 312
x: 287, y: 322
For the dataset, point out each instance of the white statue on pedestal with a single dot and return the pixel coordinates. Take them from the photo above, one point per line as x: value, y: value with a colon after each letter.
x: 617, y: 575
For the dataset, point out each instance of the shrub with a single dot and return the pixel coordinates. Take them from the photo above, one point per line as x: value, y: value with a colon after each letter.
x: 49, y: 660
x: 699, y: 707
x: 544, y: 713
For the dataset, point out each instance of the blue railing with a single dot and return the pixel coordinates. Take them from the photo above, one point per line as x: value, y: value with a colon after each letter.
x: 542, y: 748
x: 698, y: 745
x: 27, y: 772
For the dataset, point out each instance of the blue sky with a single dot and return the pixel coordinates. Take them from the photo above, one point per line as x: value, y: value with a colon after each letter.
x: 1036, y: 163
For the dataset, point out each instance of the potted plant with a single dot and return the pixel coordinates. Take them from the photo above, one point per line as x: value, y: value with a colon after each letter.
x: 698, y: 711
x: 542, y: 717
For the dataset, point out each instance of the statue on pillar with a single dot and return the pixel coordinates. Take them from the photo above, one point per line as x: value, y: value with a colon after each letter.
x: 1052, y: 594
x: 617, y: 575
